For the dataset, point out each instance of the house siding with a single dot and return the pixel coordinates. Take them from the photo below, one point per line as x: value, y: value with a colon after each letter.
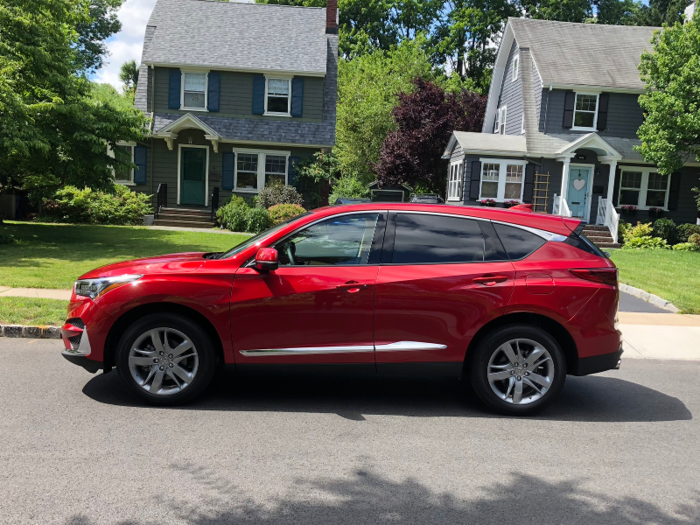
x: 511, y: 95
x: 237, y: 97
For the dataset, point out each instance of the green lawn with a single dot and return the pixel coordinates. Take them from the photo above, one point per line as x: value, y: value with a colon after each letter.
x: 674, y: 276
x: 32, y: 311
x: 54, y: 255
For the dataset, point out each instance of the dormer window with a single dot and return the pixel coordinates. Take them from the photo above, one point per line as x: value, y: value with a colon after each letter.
x: 585, y: 112
x: 277, y: 96
x: 500, y: 127
x: 194, y: 91
x: 516, y: 67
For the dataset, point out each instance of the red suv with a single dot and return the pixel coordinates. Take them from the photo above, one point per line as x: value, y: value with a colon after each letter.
x: 512, y: 301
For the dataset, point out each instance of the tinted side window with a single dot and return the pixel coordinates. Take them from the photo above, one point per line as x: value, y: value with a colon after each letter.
x: 339, y: 241
x: 436, y: 239
x: 517, y: 242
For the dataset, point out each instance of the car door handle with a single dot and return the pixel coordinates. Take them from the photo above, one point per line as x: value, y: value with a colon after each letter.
x: 351, y: 286
x: 490, y: 280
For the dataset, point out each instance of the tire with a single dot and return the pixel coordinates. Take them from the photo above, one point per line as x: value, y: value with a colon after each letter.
x: 510, y: 386
x: 181, y: 368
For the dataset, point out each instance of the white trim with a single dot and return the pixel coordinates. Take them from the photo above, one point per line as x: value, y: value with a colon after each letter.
x: 110, y: 152
x: 594, y: 128
x: 522, y: 125
x: 589, y: 193
x: 590, y: 140
x: 595, y: 89
x: 457, y: 180
x: 180, y: 124
x: 644, y: 187
x: 206, y: 171
x: 219, y: 67
x: 515, y: 72
x: 194, y: 71
x: 502, y: 111
x: 262, y: 154
x: 289, y: 96
x: 497, y: 75
x: 503, y: 164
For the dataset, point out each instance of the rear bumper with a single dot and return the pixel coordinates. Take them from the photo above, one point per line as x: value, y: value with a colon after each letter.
x: 82, y: 360
x: 598, y: 363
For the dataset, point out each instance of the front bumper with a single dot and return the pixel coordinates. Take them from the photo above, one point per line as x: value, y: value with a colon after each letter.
x: 598, y: 363
x: 77, y: 346
x: 82, y: 360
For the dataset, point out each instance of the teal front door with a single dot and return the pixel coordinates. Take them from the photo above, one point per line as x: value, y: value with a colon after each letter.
x: 193, y: 172
x: 579, y: 191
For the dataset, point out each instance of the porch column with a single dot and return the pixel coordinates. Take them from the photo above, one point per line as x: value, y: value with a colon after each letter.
x: 565, y: 176
x: 612, y: 163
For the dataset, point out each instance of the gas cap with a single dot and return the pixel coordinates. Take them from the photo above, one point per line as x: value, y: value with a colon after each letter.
x: 539, y: 284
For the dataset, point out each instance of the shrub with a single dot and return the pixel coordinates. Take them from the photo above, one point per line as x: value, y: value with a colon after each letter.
x: 7, y: 239
x: 645, y: 243
x: 623, y: 230
x: 348, y: 186
x: 665, y: 229
x: 278, y: 194
x: 282, y: 212
x: 257, y: 220
x: 233, y: 216
x: 684, y: 231
x: 695, y: 239
x: 640, y: 230
x: 687, y: 247
x: 86, y: 206
x: 235, y: 199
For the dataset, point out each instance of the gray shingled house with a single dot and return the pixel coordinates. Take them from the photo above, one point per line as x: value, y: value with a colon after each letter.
x: 560, y: 129
x: 238, y: 94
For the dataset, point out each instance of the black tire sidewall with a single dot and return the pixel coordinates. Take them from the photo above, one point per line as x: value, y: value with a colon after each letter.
x: 202, y: 342
x: 479, y: 368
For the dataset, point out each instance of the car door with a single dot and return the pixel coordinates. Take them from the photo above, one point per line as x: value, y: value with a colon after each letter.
x: 442, y: 277
x: 318, y: 306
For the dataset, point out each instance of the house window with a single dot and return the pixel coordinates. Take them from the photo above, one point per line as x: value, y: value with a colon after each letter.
x: 585, y: 111
x: 516, y: 67
x: 502, y: 179
x: 194, y: 91
x: 123, y: 174
x: 454, y: 182
x: 257, y: 169
x: 644, y: 188
x: 277, y: 99
x: 500, y: 127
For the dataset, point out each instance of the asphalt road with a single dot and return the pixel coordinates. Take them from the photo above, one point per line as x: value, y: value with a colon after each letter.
x: 620, y: 447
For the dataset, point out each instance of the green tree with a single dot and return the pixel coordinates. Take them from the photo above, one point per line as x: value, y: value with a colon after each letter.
x: 560, y: 10
x: 617, y: 12
x: 670, y: 133
x: 367, y: 92
x: 98, y: 23
x: 53, y: 128
x: 659, y: 12
x: 129, y: 74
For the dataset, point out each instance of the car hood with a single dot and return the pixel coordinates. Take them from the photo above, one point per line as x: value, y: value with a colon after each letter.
x: 173, y: 263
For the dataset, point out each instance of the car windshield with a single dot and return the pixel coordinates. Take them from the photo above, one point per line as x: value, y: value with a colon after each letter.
x: 256, y: 238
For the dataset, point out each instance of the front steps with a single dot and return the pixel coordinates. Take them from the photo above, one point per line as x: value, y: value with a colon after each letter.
x: 600, y: 235
x: 184, y: 218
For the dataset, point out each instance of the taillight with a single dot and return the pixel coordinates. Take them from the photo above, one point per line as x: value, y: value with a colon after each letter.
x: 598, y: 275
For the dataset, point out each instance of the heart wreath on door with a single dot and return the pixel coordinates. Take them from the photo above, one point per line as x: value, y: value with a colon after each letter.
x: 579, y: 184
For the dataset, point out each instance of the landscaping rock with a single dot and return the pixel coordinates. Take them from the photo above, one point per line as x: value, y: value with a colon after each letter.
x: 13, y: 330
x: 32, y: 332
x: 51, y: 332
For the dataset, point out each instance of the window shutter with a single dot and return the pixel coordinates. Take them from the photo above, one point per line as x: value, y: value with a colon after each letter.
x: 616, y: 186
x: 475, y: 180
x: 229, y: 162
x: 297, y: 97
x: 569, y: 103
x: 292, y: 171
x: 141, y: 161
x: 259, y: 95
x: 529, y: 187
x: 674, y: 191
x: 603, y: 111
x: 174, y: 89
x: 214, y: 94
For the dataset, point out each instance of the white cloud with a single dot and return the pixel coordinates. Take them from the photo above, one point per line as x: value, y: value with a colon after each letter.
x: 128, y: 43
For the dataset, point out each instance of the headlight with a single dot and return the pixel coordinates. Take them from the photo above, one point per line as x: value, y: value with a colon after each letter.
x: 93, y: 288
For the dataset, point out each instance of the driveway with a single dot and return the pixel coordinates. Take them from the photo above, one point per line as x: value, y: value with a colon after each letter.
x: 620, y: 447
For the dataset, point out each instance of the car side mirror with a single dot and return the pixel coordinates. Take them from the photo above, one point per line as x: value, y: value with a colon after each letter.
x: 266, y: 260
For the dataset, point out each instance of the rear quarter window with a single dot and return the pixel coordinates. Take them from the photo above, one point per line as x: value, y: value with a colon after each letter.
x: 518, y: 243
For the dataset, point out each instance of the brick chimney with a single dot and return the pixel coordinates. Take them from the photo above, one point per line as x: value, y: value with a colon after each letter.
x: 332, y: 17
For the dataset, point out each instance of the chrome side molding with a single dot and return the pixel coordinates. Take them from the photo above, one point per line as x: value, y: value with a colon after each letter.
x: 403, y: 346
x: 400, y: 346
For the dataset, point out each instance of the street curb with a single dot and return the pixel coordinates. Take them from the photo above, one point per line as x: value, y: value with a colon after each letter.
x: 30, y: 332
x: 649, y: 298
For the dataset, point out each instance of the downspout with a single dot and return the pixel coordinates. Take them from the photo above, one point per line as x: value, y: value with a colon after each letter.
x: 153, y: 119
x: 546, y: 107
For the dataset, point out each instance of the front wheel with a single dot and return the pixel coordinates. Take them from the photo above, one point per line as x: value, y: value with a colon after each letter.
x: 166, y: 359
x: 518, y: 370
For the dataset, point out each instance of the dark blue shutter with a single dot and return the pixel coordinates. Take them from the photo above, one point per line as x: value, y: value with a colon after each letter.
x: 674, y: 191
x: 229, y: 165
x: 174, y: 89
x: 529, y: 188
x: 141, y: 161
x: 569, y: 103
x: 292, y: 171
x: 602, y: 111
x: 258, y: 95
x: 297, y: 97
x: 475, y: 181
x: 213, y: 95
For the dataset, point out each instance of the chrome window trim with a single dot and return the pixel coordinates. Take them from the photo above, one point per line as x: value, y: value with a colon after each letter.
x: 547, y: 236
x: 399, y: 346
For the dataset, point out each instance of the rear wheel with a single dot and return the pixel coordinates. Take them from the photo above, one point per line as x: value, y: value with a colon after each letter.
x: 166, y: 359
x: 518, y: 370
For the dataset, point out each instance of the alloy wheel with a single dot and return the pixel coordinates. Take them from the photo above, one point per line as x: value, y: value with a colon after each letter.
x: 163, y: 361
x: 520, y: 371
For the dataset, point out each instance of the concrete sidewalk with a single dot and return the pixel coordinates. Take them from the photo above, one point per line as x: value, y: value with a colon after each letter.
x: 62, y: 295
x: 660, y: 336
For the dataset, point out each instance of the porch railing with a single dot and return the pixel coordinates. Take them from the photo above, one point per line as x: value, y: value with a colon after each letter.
x: 214, y: 203
x: 560, y: 207
x: 608, y: 216
x: 161, y: 198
